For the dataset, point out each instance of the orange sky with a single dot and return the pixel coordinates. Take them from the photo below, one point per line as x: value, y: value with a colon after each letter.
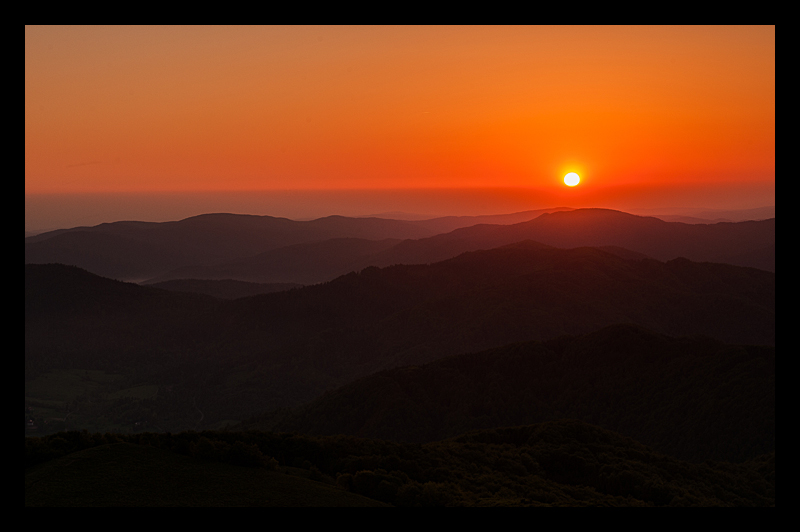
x: 179, y: 109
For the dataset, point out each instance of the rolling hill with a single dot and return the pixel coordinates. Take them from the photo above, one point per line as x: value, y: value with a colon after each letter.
x: 215, y: 360
x: 624, y: 378
x: 749, y: 243
x: 276, y: 250
x: 561, y: 463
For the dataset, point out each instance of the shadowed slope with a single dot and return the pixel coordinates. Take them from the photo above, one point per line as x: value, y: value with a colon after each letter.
x: 693, y: 398
x: 123, y: 474
x: 560, y: 463
x: 223, y: 288
x: 306, y: 263
x: 231, y: 359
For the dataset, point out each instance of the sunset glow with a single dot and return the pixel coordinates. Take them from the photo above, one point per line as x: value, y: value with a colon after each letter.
x: 417, y: 251
x: 129, y: 109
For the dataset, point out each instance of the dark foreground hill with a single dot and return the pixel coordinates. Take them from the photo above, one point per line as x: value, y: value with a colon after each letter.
x: 125, y: 474
x: 692, y: 398
x: 223, y: 288
x: 561, y: 463
x: 207, y: 360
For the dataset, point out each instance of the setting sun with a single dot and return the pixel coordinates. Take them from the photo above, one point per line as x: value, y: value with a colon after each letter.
x: 348, y: 227
x: 439, y: 121
x: 572, y: 179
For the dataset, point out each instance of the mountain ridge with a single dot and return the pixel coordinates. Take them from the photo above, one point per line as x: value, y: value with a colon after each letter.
x: 242, y: 356
x: 217, y: 246
x: 617, y: 377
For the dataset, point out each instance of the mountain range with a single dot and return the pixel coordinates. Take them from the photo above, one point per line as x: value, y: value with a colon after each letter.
x: 281, y: 349
x: 662, y: 332
x: 263, y: 249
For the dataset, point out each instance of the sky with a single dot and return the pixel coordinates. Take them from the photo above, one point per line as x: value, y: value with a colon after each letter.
x: 157, y: 123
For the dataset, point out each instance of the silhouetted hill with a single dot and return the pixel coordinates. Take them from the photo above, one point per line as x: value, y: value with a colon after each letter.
x: 94, y: 322
x: 130, y: 250
x: 762, y: 258
x: 523, y: 290
x: 601, y: 227
x: 266, y: 249
x: 706, y: 216
x: 561, y: 463
x: 141, y: 250
x: 743, y: 244
x: 449, y: 223
x: 125, y: 474
x: 692, y: 398
x: 61, y: 290
x: 111, y: 255
x: 224, y: 288
x: 306, y: 263
x: 227, y: 360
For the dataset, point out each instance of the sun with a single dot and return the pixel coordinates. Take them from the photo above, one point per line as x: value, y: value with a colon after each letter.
x: 572, y: 179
